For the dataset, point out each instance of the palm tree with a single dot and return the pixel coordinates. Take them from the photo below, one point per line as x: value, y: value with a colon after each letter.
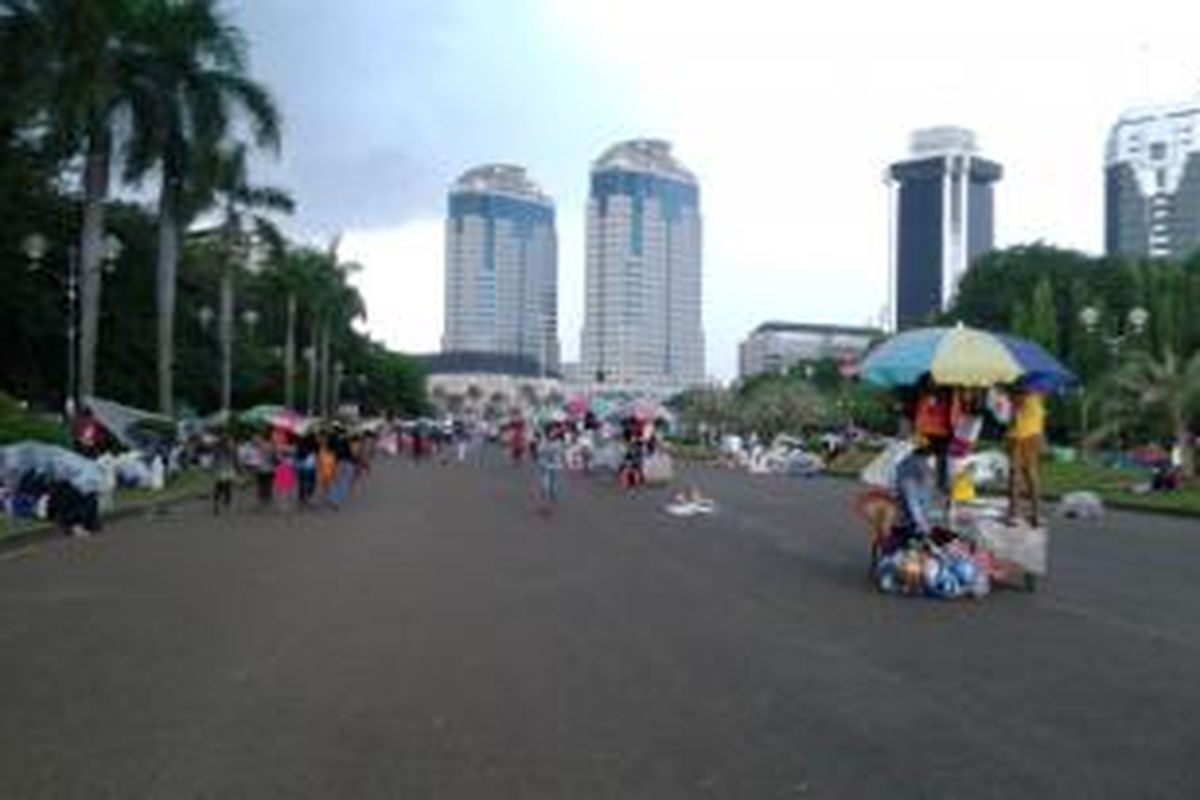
x: 1169, y: 386
x: 295, y: 277
x: 334, y: 304
x: 75, y: 60
x: 192, y: 84
x: 225, y: 183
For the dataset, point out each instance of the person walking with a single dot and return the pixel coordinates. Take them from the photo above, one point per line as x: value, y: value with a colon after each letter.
x: 326, y: 465
x: 1026, y: 436
x: 549, y: 461
x: 284, y: 484
x: 224, y: 465
x: 306, y: 469
x: 344, y: 469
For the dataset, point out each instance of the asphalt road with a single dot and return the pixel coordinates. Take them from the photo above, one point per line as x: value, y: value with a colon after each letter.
x: 437, y: 639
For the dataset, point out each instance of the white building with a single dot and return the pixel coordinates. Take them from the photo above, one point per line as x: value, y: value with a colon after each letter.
x: 501, y: 266
x: 1152, y: 182
x: 776, y: 347
x: 642, y: 326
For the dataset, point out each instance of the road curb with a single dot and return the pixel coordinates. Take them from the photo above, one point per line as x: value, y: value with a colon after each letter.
x: 48, y: 531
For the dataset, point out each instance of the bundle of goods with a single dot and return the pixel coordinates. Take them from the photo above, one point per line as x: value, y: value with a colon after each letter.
x: 949, y: 571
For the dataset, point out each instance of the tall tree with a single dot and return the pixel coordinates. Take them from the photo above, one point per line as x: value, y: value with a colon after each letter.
x: 77, y: 65
x: 244, y: 210
x: 1043, y: 317
x: 197, y: 87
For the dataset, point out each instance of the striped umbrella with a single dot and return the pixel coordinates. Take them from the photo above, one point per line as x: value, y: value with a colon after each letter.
x: 962, y: 356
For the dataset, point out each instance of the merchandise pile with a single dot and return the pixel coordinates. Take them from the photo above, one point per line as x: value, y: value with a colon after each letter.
x: 953, y: 570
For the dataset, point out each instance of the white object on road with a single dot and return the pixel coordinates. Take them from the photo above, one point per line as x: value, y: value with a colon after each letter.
x: 1021, y: 544
x: 1081, y: 505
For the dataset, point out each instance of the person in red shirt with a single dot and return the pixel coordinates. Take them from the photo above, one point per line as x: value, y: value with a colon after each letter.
x: 931, y: 421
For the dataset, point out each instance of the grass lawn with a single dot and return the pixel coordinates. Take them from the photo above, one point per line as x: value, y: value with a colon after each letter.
x: 1114, y: 486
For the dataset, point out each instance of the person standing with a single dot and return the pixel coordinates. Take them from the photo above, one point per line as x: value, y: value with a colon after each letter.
x: 224, y: 464
x: 549, y: 461
x: 1026, y: 436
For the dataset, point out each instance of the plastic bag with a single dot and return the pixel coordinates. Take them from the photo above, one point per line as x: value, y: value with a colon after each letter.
x: 882, y: 471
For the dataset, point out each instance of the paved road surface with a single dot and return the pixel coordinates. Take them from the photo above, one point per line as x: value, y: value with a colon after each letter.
x: 437, y: 639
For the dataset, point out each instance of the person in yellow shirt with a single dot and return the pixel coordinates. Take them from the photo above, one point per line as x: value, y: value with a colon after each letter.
x: 1025, y: 438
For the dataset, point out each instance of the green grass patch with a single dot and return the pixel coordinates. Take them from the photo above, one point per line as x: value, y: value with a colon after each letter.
x: 1115, y: 486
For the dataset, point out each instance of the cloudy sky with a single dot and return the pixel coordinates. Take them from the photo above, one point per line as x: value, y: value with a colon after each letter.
x: 787, y: 114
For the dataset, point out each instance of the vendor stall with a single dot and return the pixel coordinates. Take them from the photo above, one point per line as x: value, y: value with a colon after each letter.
x: 959, y: 546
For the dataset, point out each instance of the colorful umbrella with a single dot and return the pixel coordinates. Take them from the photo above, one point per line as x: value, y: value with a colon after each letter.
x: 963, y: 356
x: 276, y: 417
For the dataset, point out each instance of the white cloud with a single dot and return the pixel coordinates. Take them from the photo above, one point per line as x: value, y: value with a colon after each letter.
x: 401, y: 282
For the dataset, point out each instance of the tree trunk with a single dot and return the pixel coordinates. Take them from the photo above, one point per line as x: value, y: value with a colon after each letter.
x: 168, y: 265
x: 289, y: 354
x: 326, y: 388
x: 1184, y: 441
x: 313, y: 343
x: 91, y: 253
x: 226, y: 337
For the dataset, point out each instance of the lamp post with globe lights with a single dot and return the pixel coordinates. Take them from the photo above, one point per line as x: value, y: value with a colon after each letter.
x: 81, y: 362
x: 1132, y: 325
x: 250, y: 319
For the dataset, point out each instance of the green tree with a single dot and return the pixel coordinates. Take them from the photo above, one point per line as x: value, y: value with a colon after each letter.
x: 245, y: 210
x: 1043, y: 318
x: 71, y: 67
x: 196, y: 87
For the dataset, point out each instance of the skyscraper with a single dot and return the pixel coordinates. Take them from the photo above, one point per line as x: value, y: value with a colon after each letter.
x: 1152, y: 182
x: 943, y: 219
x: 642, y: 308
x: 501, y: 266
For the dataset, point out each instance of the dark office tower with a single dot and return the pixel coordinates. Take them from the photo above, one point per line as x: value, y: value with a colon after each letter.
x: 943, y: 220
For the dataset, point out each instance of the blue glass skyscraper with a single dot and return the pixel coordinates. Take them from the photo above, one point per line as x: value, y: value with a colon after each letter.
x: 501, y: 291
x: 642, y: 317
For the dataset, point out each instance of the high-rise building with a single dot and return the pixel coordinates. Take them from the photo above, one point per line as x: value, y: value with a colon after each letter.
x: 642, y: 325
x: 501, y: 266
x: 1152, y: 182
x: 942, y: 221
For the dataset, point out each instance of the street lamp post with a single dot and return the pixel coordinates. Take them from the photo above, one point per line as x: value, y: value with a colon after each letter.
x: 36, y: 247
x: 250, y: 319
x: 1134, y: 325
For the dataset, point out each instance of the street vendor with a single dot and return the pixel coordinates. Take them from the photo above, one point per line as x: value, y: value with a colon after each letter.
x: 914, y: 493
x: 1025, y: 439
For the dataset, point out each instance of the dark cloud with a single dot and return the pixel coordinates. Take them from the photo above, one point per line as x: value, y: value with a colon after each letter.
x: 387, y: 101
